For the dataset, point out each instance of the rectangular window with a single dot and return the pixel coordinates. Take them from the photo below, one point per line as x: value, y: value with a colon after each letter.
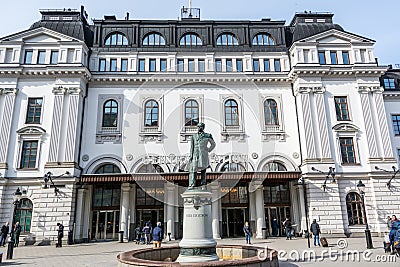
x: 34, y: 110
x: 102, y: 64
x: 363, y: 54
x: 388, y: 83
x: 396, y: 124
x: 191, y: 65
x: 321, y: 57
x: 41, y: 57
x: 342, y: 111
x: 266, y: 65
x: 256, y: 65
x: 181, y: 63
x: 142, y: 64
x: 306, y: 54
x: 124, y: 65
x: 163, y: 64
x: 239, y: 65
x: 229, y: 65
x: 347, y: 150
x: 28, y: 57
x: 277, y: 65
x: 113, y: 64
x: 29, y: 154
x: 54, y: 57
x: 201, y: 65
x: 152, y: 65
x: 333, y: 58
x: 218, y: 65
x: 346, y: 58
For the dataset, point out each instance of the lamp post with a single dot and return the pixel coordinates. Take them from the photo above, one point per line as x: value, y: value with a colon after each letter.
x: 16, y: 199
x: 331, y: 174
x: 394, y: 173
x: 302, y: 182
x: 361, y: 189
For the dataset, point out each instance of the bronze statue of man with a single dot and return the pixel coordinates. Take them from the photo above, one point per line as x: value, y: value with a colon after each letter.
x: 199, y: 150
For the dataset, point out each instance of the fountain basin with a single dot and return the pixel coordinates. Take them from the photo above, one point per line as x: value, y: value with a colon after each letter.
x: 229, y: 255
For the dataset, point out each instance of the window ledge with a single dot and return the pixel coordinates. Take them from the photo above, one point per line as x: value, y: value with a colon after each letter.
x: 27, y: 169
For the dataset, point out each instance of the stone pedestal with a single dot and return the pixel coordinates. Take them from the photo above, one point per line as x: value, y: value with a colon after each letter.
x: 198, y: 244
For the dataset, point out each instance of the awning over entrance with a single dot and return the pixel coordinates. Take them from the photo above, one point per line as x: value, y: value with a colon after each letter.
x: 182, y: 176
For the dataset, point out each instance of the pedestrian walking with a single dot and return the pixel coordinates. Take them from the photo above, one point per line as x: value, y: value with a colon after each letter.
x: 275, y: 226
x: 17, y: 232
x: 147, y: 231
x: 4, y: 232
x: 138, y: 234
x: 389, y: 222
x: 315, y: 230
x: 288, y: 228
x: 60, y: 235
x: 157, y: 235
x: 247, y: 232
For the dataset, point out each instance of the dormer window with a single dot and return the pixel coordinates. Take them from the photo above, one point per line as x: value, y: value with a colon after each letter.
x: 227, y: 39
x: 116, y: 39
x: 263, y: 39
x: 153, y: 39
x: 190, y: 39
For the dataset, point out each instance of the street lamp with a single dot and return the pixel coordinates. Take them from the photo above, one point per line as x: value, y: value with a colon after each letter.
x: 16, y: 199
x: 49, y: 177
x: 331, y: 174
x: 302, y: 182
x: 361, y: 189
x: 395, y: 172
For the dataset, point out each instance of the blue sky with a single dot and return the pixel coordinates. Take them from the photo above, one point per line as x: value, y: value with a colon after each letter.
x: 363, y: 17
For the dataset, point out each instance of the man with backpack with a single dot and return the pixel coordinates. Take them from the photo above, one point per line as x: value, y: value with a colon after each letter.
x: 315, y: 230
x: 288, y: 228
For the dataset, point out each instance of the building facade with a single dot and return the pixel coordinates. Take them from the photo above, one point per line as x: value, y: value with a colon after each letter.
x: 108, y: 109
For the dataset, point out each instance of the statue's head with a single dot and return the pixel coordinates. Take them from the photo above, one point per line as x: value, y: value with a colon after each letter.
x: 201, y: 126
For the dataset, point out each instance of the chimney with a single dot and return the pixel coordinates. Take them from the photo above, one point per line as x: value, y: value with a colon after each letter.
x: 127, y: 16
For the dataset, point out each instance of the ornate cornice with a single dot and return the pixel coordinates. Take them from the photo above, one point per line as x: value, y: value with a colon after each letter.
x: 8, y: 91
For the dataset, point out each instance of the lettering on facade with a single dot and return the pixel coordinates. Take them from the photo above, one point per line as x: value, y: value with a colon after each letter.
x: 173, y: 159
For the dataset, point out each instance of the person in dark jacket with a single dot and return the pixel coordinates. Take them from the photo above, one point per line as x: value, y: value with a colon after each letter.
x: 4, y: 232
x: 157, y: 235
x: 147, y: 231
x: 288, y: 228
x: 275, y: 226
x: 393, y: 230
x: 315, y: 230
x: 247, y: 232
x: 17, y: 232
x: 60, y: 235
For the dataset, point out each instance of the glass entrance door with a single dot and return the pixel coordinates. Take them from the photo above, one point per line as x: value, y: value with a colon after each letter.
x: 146, y: 215
x: 233, y: 220
x: 105, y: 225
x: 280, y: 213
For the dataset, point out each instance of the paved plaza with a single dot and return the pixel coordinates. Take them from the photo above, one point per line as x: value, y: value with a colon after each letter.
x: 104, y: 253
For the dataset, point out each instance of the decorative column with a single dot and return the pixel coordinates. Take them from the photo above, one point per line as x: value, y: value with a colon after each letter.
x: 252, y: 206
x: 125, y: 188
x: 170, y: 203
x: 215, y: 191
x: 79, y: 214
x: 260, y: 211
x: 72, y: 142
x: 368, y: 120
x: 56, y: 124
x: 5, y: 128
x: 322, y: 124
x: 86, y: 214
x: 307, y: 119
x: 302, y: 208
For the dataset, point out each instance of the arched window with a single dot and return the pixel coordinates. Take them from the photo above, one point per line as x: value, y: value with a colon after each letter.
x: 274, y: 167
x: 116, y: 38
x: 151, y: 113
x: 231, y: 113
x: 150, y: 168
x: 355, y: 209
x: 110, y: 113
x: 107, y: 168
x: 23, y: 214
x: 263, y: 39
x: 271, y: 112
x: 153, y: 39
x: 227, y: 39
x: 191, y: 113
x: 233, y: 167
x: 190, y: 39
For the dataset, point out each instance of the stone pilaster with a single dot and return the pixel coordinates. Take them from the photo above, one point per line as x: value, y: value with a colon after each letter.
x: 322, y: 123
x: 56, y: 124
x: 215, y: 190
x: 369, y: 124
x: 5, y: 127
x: 79, y: 213
x: 260, y: 211
x: 86, y: 214
x: 308, y: 126
x: 383, y: 126
x: 170, y: 204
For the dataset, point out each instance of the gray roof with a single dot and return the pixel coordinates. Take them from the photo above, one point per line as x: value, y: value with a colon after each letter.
x: 304, y: 30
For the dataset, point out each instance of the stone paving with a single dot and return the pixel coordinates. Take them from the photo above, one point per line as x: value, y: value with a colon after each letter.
x: 104, y: 253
